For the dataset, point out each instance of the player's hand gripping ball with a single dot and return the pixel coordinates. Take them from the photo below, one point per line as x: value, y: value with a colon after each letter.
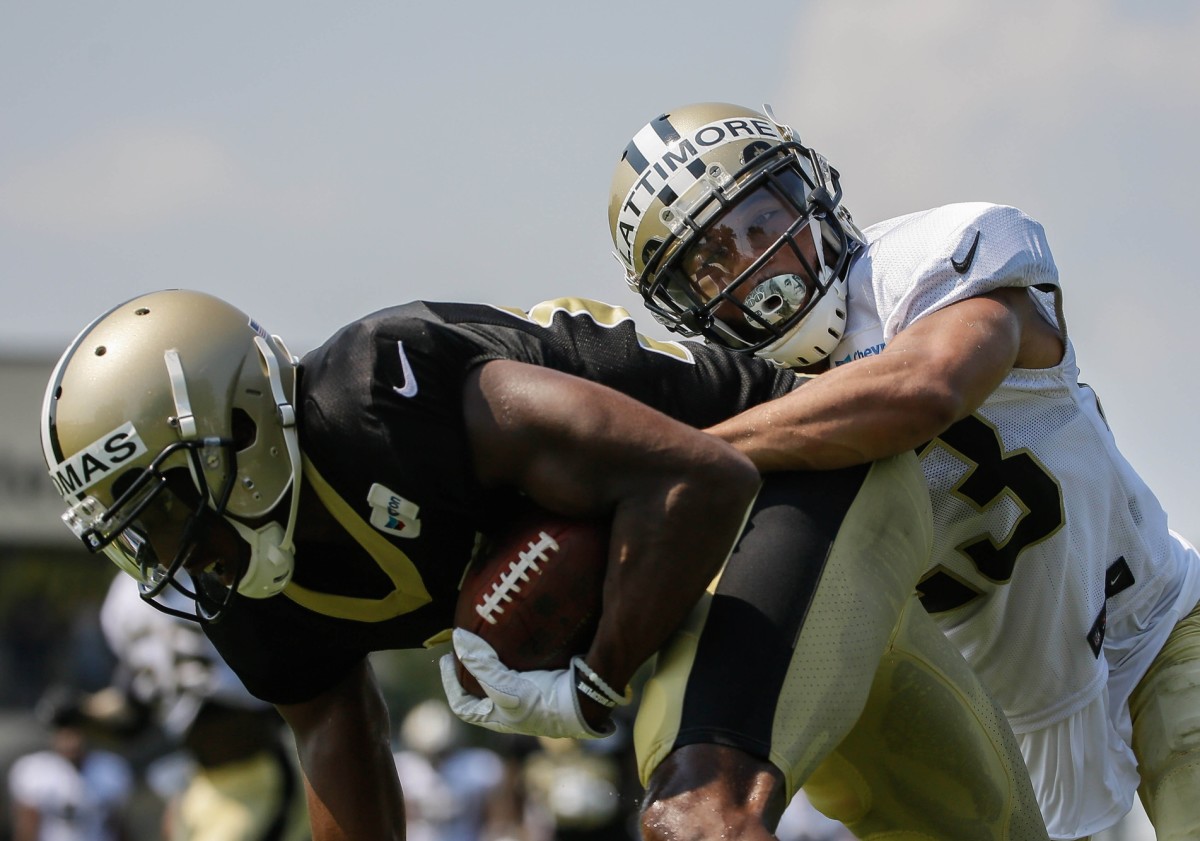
x: 535, y: 592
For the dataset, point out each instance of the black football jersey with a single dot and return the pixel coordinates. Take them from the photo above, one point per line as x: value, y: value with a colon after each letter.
x: 385, y: 451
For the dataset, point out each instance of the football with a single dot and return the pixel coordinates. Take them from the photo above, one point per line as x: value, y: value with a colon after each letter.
x: 535, y: 591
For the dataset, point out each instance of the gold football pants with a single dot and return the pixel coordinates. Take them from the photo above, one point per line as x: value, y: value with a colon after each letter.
x: 1166, y: 734
x: 821, y: 660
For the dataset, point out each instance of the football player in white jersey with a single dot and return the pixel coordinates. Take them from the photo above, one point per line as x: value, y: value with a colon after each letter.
x: 1054, y: 570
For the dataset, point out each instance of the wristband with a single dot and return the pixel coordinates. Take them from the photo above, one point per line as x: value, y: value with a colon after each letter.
x: 594, y: 695
x: 610, y: 696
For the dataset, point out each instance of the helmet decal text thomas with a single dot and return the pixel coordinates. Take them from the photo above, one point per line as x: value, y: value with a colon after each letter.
x: 177, y: 403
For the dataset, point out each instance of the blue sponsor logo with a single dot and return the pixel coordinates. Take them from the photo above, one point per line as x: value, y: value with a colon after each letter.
x: 873, y: 350
x: 392, y: 513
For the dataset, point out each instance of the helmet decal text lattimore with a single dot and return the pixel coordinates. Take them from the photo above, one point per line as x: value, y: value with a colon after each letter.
x: 771, y: 283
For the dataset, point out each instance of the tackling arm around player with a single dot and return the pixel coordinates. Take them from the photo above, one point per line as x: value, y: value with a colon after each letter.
x: 932, y: 374
x: 1053, y: 568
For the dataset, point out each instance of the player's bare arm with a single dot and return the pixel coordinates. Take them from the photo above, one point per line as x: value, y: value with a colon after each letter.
x: 678, y: 496
x: 343, y: 740
x: 935, y: 372
x: 26, y: 822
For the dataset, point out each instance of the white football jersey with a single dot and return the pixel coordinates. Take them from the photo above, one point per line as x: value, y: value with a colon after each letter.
x: 1053, y: 569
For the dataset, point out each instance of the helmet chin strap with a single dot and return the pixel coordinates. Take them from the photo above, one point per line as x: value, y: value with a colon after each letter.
x: 817, y: 334
x: 272, y: 559
x: 272, y: 551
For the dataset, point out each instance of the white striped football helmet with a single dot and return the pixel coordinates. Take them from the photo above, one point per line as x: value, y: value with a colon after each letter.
x: 731, y: 229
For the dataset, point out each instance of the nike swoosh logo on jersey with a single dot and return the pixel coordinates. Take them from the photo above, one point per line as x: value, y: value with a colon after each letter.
x: 1118, y: 578
x: 962, y: 267
x: 410, y: 382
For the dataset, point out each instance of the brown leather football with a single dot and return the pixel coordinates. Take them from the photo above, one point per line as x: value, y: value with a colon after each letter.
x: 535, y: 592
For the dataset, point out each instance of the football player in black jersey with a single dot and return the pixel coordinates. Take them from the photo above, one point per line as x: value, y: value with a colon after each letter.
x: 316, y: 510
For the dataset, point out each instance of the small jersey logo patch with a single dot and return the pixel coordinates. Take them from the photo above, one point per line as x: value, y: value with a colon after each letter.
x: 1095, y: 635
x: 392, y: 513
x: 1117, y: 578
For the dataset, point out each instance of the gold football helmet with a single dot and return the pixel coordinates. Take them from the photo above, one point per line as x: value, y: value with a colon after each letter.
x: 170, y: 382
x: 768, y: 279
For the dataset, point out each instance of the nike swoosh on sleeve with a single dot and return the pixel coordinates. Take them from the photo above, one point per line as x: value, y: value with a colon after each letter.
x: 410, y: 382
x: 962, y: 267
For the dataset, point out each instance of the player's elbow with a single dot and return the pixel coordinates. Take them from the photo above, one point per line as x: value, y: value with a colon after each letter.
x: 943, y: 407
x: 710, y: 483
x: 717, y: 492
x: 734, y: 473
x: 927, y: 409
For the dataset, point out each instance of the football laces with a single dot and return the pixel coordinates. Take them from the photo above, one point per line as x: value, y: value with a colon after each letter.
x: 537, y: 553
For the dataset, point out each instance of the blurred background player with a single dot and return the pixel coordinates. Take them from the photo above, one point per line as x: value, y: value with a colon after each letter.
x: 237, y: 778
x: 71, y: 791
x: 453, y: 790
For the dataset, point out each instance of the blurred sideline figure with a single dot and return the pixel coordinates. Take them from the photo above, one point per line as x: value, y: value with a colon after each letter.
x: 238, y: 779
x: 71, y: 791
x: 453, y: 791
x: 576, y: 787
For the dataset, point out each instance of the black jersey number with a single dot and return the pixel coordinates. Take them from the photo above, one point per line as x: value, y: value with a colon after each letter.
x: 992, y: 475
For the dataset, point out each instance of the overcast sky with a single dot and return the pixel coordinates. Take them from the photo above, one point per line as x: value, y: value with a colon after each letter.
x: 313, y: 162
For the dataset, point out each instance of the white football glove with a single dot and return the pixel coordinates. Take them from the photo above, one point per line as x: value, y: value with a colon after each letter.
x: 541, y: 703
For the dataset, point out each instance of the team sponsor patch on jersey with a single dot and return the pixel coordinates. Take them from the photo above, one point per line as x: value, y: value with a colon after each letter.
x: 392, y: 513
x: 97, y: 460
x: 860, y: 353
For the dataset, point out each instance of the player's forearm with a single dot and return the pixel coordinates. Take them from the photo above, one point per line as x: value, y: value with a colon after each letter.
x: 666, y: 552
x: 934, y: 372
x: 842, y: 418
x: 26, y: 822
x: 678, y: 497
x: 343, y: 742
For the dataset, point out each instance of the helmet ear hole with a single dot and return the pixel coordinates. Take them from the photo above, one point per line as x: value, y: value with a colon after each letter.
x: 245, y: 430
x: 753, y: 150
x: 123, y: 482
x: 652, y: 245
x: 179, y: 481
